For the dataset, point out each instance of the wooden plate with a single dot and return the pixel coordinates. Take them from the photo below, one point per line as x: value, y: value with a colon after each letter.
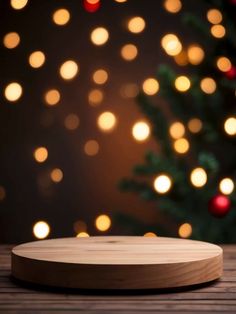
x: 116, y: 262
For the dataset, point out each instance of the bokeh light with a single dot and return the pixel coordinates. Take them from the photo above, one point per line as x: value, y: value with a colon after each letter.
x: 100, y: 76
x: 177, y: 130
x: 106, y: 121
x: 162, y: 183
x: 194, y: 125
x: 198, y: 177
x: 223, y: 64
x: 11, y: 40
x: 150, y: 235
x: 185, y: 230
x: 214, y: 16
x: 226, y: 186
x: 150, y: 86
x: 181, y: 145
x: 56, y: 175
x: 172, y: 6
x: 41, y: 229
x: 18, y: 4
x: 103, y: 222
x: 120, y: 1
x: 71, y: 121
x: 95, y: 97
x: 171, y: 44
x: 182, y: 83
x: 69, y: 69
x: 13, y: 91
x: 91, y: 148
x: 52, y: 97
x: 91, y: 5
x: 141, y: 131
x: 195, y: 54
x: 36, y: 59
x: 41, y: 154
x: 82, y: 234
x: 136, y: 24
x: 129, y: 52
x: 218, y: 31
x: 181, y: 58
x: 99, y: 36
x: 61, y: 16
x: 230, y: 126
x: 208, y: 85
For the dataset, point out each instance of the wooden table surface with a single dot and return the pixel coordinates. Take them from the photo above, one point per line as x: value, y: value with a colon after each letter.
x: 219, y: 296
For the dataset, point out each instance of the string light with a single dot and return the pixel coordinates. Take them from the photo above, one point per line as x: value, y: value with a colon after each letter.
x: 218, y: 31
x: 106, y: 121
x: 11, y: 40
x: 177, y: 130
x: 71, y: 122
x: 198, y: 177
x: 41, y: 229
x: 171, y: 44
x: 99, y: 36
x: 195, y: 54
x: 52, y: 97
x: 82, y: 234
x: 100, y: 76
x: 41, y: 154
x: 141, y: 131
x: 61, y: 17
x: 182, y: 83
x: 208, y: 85
x: 36, y: 59
x: 18, y: 4
x: 13, y: 91
x: 2, y: 193
x: 56, y: 175
x: 95, y: 97
x: 181, y: 145
x: 173, y: 6
x: 91, y: 148
x: 162, y: 183
x: 195, y: 125
x: 185, y: 230
x: 150, y: 235
x: 226, y: 186
x: 223, y: 64
x: 150, y: 86
x: 230, y: 126
x: 214, y: 16
x: 129, y: 52
x: 69, y: 69
x: 103, y: 222
x: 136, y: 24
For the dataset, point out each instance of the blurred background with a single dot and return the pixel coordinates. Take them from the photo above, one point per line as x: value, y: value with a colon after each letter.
x: 70, y: 125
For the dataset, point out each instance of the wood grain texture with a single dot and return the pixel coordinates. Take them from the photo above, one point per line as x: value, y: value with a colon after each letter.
x: 219, y: 296
x: 117, y: 262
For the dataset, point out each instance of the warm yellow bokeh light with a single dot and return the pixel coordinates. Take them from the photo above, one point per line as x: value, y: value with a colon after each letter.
x: 218, y: 31
x: 136, y: 24
x: 18, y: 4
x: 181, y: 58
x: 41, y: 154
x: 141, y: 131
x: 182, y: 83
x: 185, y: 230
x: 214, y: 16
x: 82, y: 234
x: 230, y: 126
x: 226, y: 186
x: 69, y: 69
x: 103, y: 222
x: 99, y: 36
x: 129, y: 52
x: 208, y: 85
x: 198, y: 177
x: 41, y: 229
x: 91, y: 148
x: 195, y: 54
x: 223, y: 64
x: 56, y: 175
x: 52, y: 97
x: 150, y: 235
x: 106, y: 121
x: 162, y: 183
x: 100, y: 76
x: 95, y: 97
x: 71, y: 122
x: 150, y: 86
x: 181, y: 145
x: 171, y: 44
x: 13, y: 91
x: 173, y: 6
x: 195, y: 125
x: 177, y: 130
x: 120, y: 1
x: 11, y: 40
x: 36, y: 59
x: 61, y: 17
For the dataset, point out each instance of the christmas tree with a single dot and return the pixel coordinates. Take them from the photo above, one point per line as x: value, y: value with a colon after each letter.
x: 191, y: 175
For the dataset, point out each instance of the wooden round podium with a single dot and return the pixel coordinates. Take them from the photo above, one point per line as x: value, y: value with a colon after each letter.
x: 117, y: 262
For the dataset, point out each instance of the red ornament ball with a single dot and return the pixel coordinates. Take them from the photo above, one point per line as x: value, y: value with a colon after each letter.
x: 231, y: 74
x: 92, y: 6
x: 219, y: 205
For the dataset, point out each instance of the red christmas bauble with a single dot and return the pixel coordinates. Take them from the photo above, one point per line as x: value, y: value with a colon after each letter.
x: 219, y: 205
x: 231, y: 74
x: 92, y: 6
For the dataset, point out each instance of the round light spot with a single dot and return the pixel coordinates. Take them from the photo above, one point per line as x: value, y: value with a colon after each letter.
x: 162, y: 184
x: 195, y: 54
x: 129, y: 52
x: 218, y: 31
x: 18, y: 4
x: 230, y: 126
x: 136, y: 24
x: 181, y: 58
x: 223, y: 64
x: 91, y: 148
x: 182, y: 83
x: 99, y: 36
x: 185, y: 230
x: 172, y: 6
x: 100, y: 76
x: 226, y: 186
x: 69, y: 69
x: 13, y: 91
x: 56, y: 175
x: 198, y: 177
x: 41, y: 229
x: 95, y: 97
x: 171, y: 44
x: 82, y: 234
x: 106, y: 121
x: 120, y: 1
x: 177, y: 130
x: 208, y: 85
x: 214, y: 16
x: 71, y: 122
x: 141, y: 131
x: 195, y: 125
x: 181, y: 146
x: 11, y: 40
x: 61, y: 17
x: 36, y: 59
x: 103, y: 222
x: 150, y: 86
x: 41, y: 154
x: 150, y: 235
x: 52, y: 97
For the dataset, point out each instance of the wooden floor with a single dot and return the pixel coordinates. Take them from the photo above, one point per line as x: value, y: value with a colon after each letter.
x: 219, y: 296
